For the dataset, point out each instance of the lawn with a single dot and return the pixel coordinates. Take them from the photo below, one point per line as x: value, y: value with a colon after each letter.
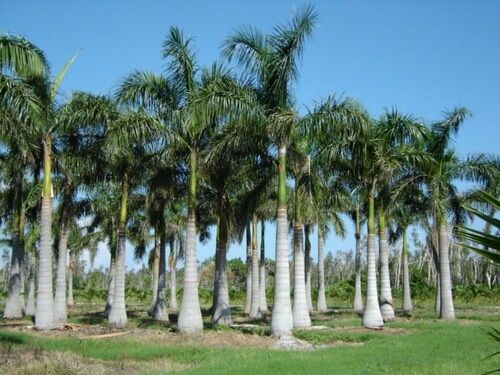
x: 416, y: 345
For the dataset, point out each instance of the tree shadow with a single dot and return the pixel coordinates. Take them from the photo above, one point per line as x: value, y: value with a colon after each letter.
x: 12, y: 338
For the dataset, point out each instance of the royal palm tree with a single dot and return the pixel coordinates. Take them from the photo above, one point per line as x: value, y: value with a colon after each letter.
x: 226, y: 165
x: 21, y: 64
x: 442, y: 196
x: 272, y: 59
x: 187, y: 101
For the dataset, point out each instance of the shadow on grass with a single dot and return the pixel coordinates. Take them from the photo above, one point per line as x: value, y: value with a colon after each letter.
x: 90, y: 318
x: 12, y: 338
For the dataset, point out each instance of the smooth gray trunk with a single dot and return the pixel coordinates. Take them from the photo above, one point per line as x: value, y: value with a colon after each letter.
x: 437, y: 300
x: 307, y: 263
x: 262, y: 270
x: 248, y: 298
x: 321, y: 273
x: 358, y: 306
x: 190, y: 320
x: 407, y: 305
x: 447, y: 310
x: 155, y: 273
x: 255, y: 303
x: 70, y: 301
x: 372, y: 318
x: 173, y: 285
x: 282, y: 319
x: 14, y: 304
x: 160, y: 312
x: 31, y: 304
x: 301, y: 316
x: 44, y: 315
x: 111, y: 285
x: 221, y: 309
x: 60, y: 308
x: 386, y: 308
x: 118, y: 314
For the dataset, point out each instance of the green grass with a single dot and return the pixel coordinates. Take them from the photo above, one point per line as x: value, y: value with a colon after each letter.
x: 408, y: 346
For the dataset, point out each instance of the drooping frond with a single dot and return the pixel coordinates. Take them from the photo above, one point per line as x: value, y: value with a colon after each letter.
x: 287, y: 43
x: 248, y: 47
x: 148, y: 90
x: 21, y: 57
x: 182, y: 64
x: 442, y: 131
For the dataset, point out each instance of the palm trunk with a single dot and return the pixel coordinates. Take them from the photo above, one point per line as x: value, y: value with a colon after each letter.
x: 300, y: 311
x: 14, y: 304
x: 437, y: 299
x: 435, y: 259
x: 155, y: 271
x: 255, y: 303
x: 262, y: 269
x: 407, y: 305
x: 385, y: 300
x: 30, y: 304
x: 282, y: 320
x: 190, y: 320
x: 321, y: 272
x: 160, y: 312
x: 447, y: 311
x: 44, y: 316
x: 358, y: 297
x: 111, y: 284
x: 221, y: 309
x: 372, y: 318
x: 173, y: 280
x: 118, y: 313
x: 71, y: 300
x: 248, y: 298
x: 397, y: 276
x: 60, y: 311
x: 307, y: 255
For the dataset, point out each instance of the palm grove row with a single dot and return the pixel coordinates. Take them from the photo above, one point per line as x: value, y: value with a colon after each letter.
x: 171, y: 155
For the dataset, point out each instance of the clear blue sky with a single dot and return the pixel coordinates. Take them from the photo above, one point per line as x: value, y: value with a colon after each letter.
x: 421, y: 56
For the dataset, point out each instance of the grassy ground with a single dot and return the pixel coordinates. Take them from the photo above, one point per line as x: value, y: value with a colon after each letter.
x: 416, y: 345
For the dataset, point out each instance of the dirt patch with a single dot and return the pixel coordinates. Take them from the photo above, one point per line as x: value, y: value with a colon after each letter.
x: 466, y: 322
x: 23, y: 361
x: 385, y: 330
x: 219, y: 339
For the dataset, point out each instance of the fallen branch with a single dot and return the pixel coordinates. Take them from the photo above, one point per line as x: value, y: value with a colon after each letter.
x: 107, y: 335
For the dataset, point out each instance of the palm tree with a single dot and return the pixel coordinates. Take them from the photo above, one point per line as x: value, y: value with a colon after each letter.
x: 442, y: 196
x: 21, y: 64
x: 273, y: 61
x: 226, y: 165
x: 409, y: 208
x: 358, y: 306
x: 187, y: 105
x: 129, y: 138
x: 35, y: 100
x: 77, y: 164
x: 395, y: 131
x: 104, y: 198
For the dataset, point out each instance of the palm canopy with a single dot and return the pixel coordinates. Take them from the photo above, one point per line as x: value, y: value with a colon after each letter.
x: 272, y: 59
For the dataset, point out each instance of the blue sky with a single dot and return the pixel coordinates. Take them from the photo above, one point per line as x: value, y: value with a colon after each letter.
x: 422, y: 57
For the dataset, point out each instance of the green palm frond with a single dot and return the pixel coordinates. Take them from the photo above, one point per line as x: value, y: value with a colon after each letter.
x: 182, y: 64
x: 21, y: 57
x: 490, y: 242
x: 148, y: 90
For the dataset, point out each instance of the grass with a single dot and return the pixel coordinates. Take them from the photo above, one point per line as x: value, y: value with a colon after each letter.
x: 415, y: 345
